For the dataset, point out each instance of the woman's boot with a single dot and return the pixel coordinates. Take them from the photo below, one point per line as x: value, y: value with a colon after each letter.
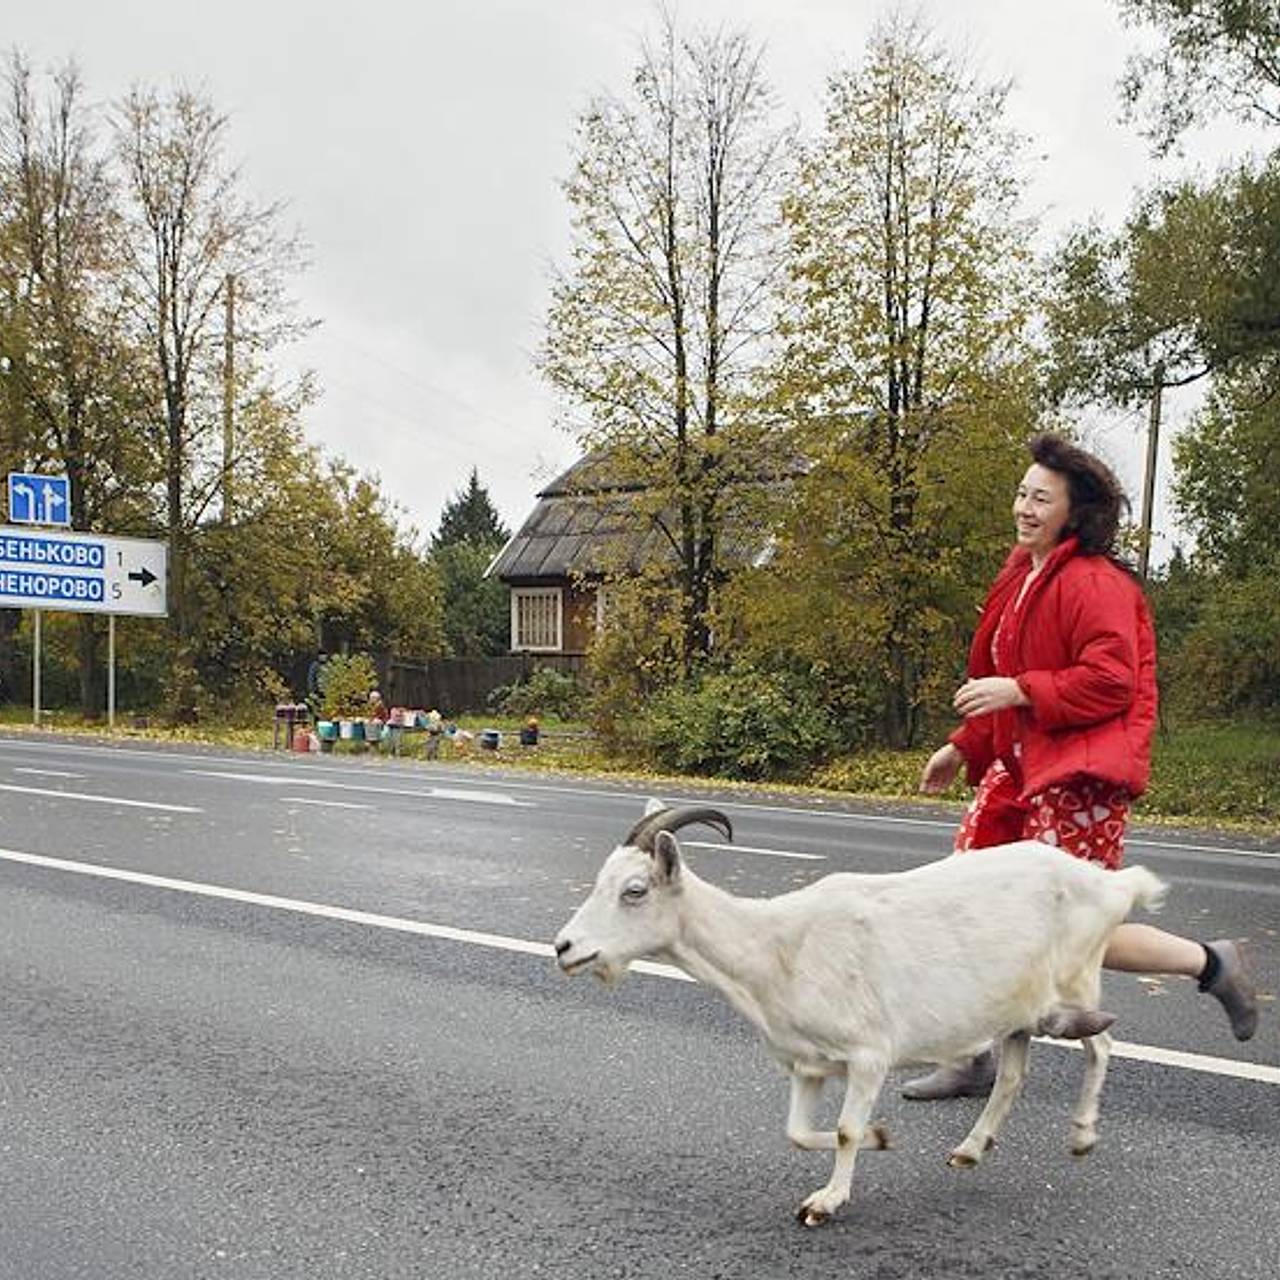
x: 971, y: 1078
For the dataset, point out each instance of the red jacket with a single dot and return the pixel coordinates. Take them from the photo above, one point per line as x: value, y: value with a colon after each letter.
x: 1082, y: 648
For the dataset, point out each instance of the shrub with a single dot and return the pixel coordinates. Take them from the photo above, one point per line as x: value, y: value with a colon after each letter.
x: 877, y: 772
x: 345, y: 682
x: 632, y: 658
x: 737, y: 723
x: 546, y: 692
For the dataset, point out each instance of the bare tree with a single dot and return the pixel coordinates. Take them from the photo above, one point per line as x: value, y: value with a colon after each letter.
x: 188, y: 228
x: 661, y: 321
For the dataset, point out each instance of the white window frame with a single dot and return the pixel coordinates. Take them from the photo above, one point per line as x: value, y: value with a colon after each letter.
x: 519, y: 594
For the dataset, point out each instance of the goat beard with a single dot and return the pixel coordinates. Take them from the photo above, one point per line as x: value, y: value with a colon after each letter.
x: 609, y: 972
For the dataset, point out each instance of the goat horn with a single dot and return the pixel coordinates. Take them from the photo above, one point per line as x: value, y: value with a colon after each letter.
x: 642, y: 835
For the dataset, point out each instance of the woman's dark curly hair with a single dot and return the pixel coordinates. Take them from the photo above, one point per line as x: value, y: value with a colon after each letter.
x: 1097, y: 500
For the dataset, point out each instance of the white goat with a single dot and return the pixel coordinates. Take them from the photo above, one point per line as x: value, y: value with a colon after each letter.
x: 854, y: 975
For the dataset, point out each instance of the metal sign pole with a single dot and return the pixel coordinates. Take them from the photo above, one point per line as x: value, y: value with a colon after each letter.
x: 35, y: 672
x: 111, y: 671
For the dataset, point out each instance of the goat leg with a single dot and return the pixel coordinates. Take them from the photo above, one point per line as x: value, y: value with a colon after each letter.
x: 805, y: 1092
x: 1009, y: 1077
x: 1084, y: 1119
x: 862, y: 1087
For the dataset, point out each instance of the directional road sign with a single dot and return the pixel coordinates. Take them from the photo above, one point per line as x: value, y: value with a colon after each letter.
x: 82, y: 572
x: 36, y: 499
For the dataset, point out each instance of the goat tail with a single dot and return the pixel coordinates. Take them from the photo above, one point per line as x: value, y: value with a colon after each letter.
x: 1145, y: 888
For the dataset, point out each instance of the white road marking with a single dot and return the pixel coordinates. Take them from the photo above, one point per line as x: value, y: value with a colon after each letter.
x: 487, y: 797
x: 812, y: 811
x: 79, y: 795
x: 1232, y: 1067
x: 747, y: 848
x: 1132, y: 842
x: 49, y: 773
x: 1200, y: 1062
x: 324, y: 804
x: 299, y: 907
x: 429, y: 793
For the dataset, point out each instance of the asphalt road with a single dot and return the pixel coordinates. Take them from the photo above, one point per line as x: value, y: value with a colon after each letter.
x: 280, y: 1017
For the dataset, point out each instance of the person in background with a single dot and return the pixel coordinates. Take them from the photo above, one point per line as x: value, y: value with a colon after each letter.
x: 315, y: 681
x: 377, y: 708
x: 1059, y: 708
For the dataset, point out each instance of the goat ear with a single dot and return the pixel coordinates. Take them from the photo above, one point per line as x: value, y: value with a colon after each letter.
x: 653, y: 805
x: 666, y: 857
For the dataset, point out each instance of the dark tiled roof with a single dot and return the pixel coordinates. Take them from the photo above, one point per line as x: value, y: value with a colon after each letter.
x: 590, y: 522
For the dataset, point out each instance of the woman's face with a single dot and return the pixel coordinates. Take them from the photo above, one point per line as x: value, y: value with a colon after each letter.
x: 1041, y: 510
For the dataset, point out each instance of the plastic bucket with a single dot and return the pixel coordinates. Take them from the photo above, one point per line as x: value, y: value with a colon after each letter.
x: 490, y: 739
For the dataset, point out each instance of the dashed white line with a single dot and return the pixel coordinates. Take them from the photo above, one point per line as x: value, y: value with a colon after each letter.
x: 818, y: 810
x: 747, y: 848
x: 1205, y: 1063
x: 49, y: 773
x: 417, y: 793
x: 324, y: 804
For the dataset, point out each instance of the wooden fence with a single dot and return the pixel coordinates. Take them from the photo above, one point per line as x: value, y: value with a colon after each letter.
x: 455, y: 686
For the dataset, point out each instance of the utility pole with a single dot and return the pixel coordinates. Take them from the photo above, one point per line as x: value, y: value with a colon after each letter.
x: 228, y: 394
x: 1149, y: 475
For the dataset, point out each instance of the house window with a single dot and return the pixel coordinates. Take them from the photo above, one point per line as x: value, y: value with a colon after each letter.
x: 536, y: 618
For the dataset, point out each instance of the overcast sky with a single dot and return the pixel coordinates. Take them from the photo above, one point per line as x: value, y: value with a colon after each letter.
x: 419, y: 145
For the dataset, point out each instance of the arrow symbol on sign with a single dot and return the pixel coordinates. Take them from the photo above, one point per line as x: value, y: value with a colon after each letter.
x: 144, y: 576
x: 27, y: 492
x: 52, y: 498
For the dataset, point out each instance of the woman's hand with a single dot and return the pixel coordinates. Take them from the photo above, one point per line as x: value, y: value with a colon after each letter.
x: 990, y: 693
x: 941, y: 770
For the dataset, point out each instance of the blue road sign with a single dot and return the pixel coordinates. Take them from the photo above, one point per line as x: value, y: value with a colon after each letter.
x: 37, y: 499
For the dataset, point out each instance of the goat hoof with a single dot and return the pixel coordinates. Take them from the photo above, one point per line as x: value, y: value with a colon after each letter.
x: 965, y: 1157
x: 816, y: 1209
x: 877, y: 1138
x: 1082, y: 1144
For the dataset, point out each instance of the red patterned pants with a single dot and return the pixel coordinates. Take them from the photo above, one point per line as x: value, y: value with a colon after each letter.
x: 1085, y: 816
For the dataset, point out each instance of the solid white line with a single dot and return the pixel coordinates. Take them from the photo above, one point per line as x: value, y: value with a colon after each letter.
x: 1205, y: 1063
x: 295, y: 905
x: 48, y: 773
x: 324, y: 804
x: 1197, y: 1062
x: 79, y: 795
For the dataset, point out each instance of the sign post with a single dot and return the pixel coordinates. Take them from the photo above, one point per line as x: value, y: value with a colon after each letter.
x: 35, y: 671
x: 111, y: 671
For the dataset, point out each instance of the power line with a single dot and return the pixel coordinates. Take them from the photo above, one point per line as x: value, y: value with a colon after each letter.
x: 424, y: 384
